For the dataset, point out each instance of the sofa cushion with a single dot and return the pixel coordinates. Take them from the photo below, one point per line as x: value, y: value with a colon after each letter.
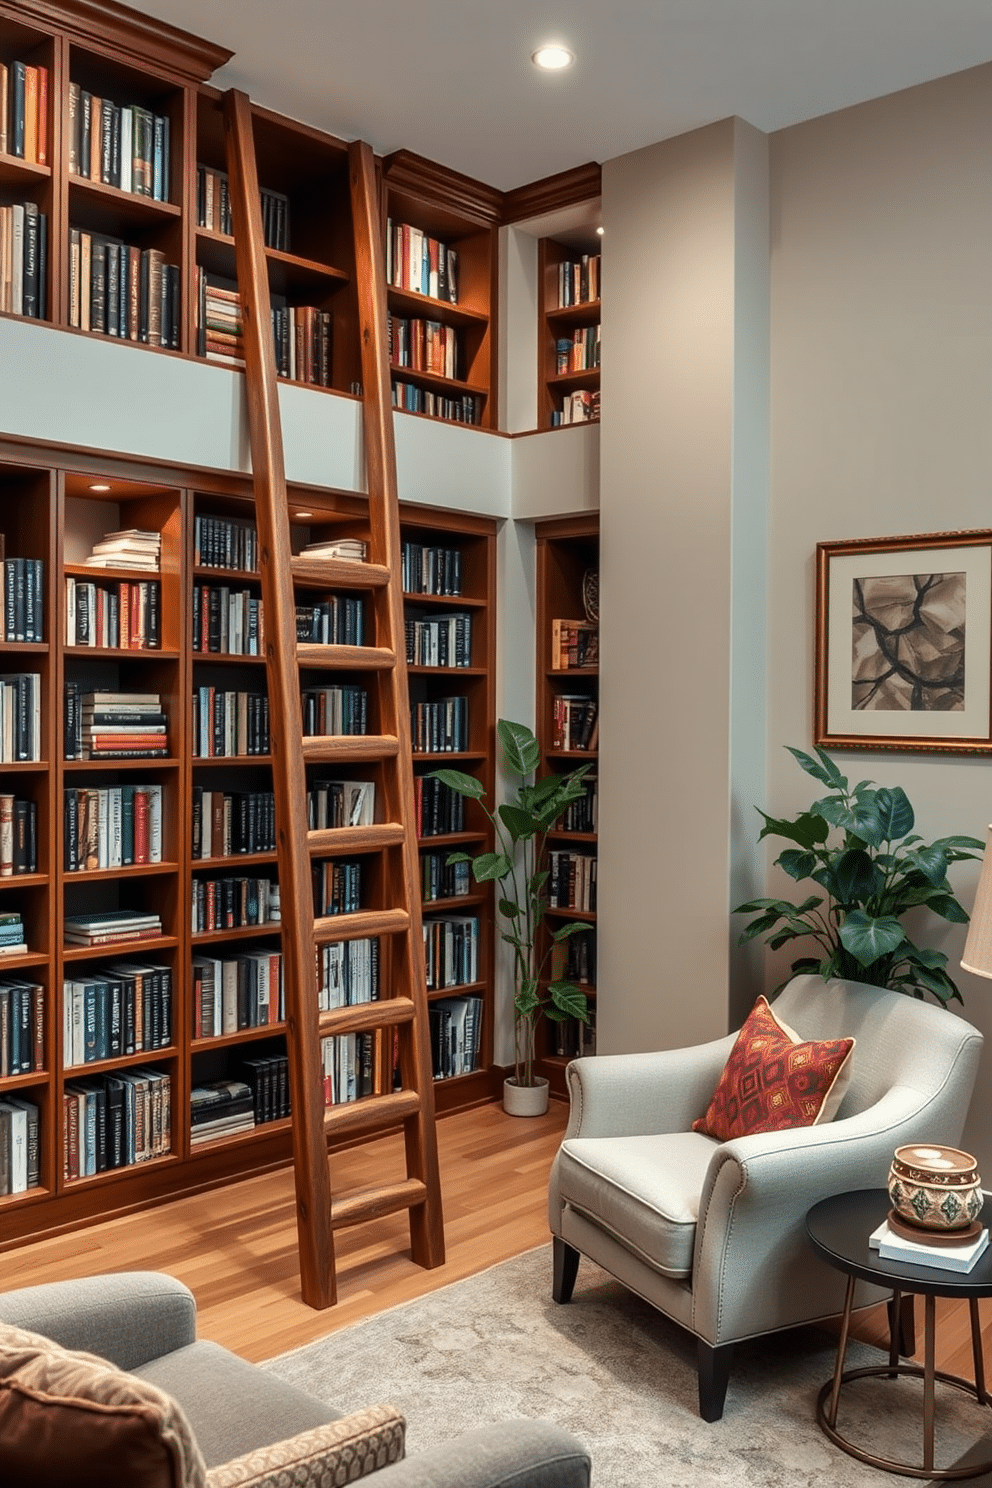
x: 643, y: 1190
x: 71, y: 1418
x: 774, y: 1080
x: 340, y: 1452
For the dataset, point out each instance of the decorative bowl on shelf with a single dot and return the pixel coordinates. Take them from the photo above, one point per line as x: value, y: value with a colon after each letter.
x: 590, y: 593
x: 935, y: 1187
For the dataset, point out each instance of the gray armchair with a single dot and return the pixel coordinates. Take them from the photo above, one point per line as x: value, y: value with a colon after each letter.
x: 238, y: 1424
x: 711, y: 1233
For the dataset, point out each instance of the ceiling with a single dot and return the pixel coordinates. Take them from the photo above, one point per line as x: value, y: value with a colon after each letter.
x: 453, y: 80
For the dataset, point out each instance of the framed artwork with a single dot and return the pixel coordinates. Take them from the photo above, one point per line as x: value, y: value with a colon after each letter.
x: 904, y: 643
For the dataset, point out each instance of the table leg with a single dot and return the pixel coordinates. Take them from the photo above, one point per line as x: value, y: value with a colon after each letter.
x: 929, y: 1330
x: 845, y: 1327
x: 976, y: 1349
x: 895, y: 1322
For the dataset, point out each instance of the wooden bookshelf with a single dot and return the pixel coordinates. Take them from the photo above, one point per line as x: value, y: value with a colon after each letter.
x: 567, y: 550
x: 568, y: 334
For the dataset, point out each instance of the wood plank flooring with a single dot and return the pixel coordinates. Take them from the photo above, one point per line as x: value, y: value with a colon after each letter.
x: 235, y: 1247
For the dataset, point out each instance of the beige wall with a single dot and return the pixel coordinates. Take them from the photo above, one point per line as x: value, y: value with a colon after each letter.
x: 881, y: 394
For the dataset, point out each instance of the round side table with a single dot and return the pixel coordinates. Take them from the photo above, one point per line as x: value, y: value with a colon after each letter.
x: 838, y: 1229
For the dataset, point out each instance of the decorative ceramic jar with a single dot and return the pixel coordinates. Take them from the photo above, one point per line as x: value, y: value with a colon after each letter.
x: 935, y: 1188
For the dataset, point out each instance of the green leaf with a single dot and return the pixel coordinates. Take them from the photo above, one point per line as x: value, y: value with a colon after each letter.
x: 509, y: 910
x: 894, y: 812
x: 930, y: 861
x: 536, y: 882
x: 807, y: 829
x: 465, y: 785
x: 490, y: 866
x: 868, y: 938
x: 822, y: 769
x: 966, y: 846
x: 780, y: 906
x: 797, y: 864
x: 948, y: 908
x: 566, y: 931
x: 519, y: 824
x: 856, y: 877
x: 526, y: 1000
x: 543, y: 788
x: 568, y: 1000
x: 521, y: 750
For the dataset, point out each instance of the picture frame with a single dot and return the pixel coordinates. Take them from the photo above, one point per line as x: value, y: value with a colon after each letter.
x: 903, y: 646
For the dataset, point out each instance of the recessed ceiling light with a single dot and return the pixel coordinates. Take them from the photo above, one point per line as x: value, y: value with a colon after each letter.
x: 552, y: 58
x: 100, y: 488
x: 599, y: 231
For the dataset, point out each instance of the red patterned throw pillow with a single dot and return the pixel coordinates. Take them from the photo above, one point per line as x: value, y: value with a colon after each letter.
x: 774, y: 1080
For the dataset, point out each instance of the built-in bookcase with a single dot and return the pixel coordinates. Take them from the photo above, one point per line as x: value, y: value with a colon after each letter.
x: 569, y: 275
x: 567, y: 554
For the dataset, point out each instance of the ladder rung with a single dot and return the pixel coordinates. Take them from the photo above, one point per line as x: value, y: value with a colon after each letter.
x: 373, y: 1203
x: 355, y: 839
x: 363, y: 1016
x: 374, y: 1113
x: 349, y: 748
x: 345, y: 658
x: 339, y: 572
x: 365, y: 922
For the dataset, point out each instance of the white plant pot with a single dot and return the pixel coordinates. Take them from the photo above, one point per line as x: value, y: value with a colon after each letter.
x: 525, y: 1100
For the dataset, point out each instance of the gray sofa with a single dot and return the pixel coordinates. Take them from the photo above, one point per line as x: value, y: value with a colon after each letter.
x: 145, y: 1324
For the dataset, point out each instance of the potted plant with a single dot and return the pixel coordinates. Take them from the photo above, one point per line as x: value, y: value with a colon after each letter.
x: 857, y: 845
x: 517, y: 866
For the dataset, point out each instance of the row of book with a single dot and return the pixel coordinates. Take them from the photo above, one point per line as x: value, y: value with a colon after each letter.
x: 124, y: 1008
x: 220, y: 1108
x: 18, y: 836
x: 340, y: 803
x: 213, y: 208
x: 132, y: 547
x: 115, y: 1121
x: 227, y: 823
x: 579, y: 280
x: 456, y: 1035
x: 22, y: 1027
x: 574, y: 723
x: 444, y: 641
x: 439, y: 810
x: 225, y: 542
x: 110, y: 926
x: 20, y: 717
x: 123, y: 291
x: 419, y: 263
x: 575, y: 959
x: 349, y: 549
x: 338, y: 620
x: 228, y: 724
x: 575, y: 1039
x: 451, y: 948
x: 580, y: 407
x: 22, y: 612
x: 334, y: 710
x: 347, y: 973
x: 114, y: 725
x: 125, y: 615
x: 13, y: 941
x: 267, y: 1077
x: 302, y: 336
x: 574, y: 644
x: 458, y: 409
x: 440, y: 726
x: 20, y: 1146
x: 230, y: 993
x: 227, y: 622
x: 24, y: 112
x: 440, y: 879
x: 580, y: 815
x: 580, y: 351
x: 120, y: 145
x: 426, y: 568
x: 347, y: 1062
x: 23, y: 260
x: 233, y: 903
x: 337, y: 886
x: 114, y: 826
x: 423, y: 346
x: 572, y: 881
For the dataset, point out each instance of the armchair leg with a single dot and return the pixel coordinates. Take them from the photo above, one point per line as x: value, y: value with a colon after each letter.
x: 713, y: 1365
x: 566, y: 1267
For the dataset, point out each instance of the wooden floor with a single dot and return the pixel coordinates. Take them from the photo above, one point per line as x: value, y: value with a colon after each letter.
x: 235, y: 1247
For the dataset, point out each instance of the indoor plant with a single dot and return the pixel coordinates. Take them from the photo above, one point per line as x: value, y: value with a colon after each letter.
x: 517, y: 865
x: 857, y: 844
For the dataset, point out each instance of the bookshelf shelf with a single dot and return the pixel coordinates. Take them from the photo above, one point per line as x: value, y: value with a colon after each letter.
x: 150, y: 945
x: 164, y: 1055
x: 133, y: 870
x: 569, y: 320
x: 239, y: 932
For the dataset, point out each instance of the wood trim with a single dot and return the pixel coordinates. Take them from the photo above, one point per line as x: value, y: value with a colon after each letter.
x: 404, y: 170
x: 128, y: 35
x: 553, y: 193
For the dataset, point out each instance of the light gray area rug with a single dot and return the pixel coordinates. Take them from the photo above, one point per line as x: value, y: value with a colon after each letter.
x: 623, y: 1379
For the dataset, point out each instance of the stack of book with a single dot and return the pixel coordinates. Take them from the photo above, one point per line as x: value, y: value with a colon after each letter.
x: 220, y: 1108
x: 574, y: 644
x: 18, y: 836
x: 122, y: 725
x: 350, y: 548
x: 110, y: 926
x: 894, y: 1246
x: 19, y: 1146
x: 129, y: 548
x: 12, y: 940
x: 22, y: 613
x: 219, y: 321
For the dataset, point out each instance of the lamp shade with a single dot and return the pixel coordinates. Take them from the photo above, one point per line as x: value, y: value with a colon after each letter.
x: 977, y: 956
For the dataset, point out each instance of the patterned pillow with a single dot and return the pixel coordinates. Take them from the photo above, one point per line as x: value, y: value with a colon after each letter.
x: 71, y: 1418
x: 774, y: 1080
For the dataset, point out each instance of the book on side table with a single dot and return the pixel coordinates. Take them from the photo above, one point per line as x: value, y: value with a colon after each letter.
x: 894, y: 1247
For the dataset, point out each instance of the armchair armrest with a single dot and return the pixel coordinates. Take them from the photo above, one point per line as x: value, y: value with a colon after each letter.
x: 507, y: 1454
x: 341, y: 1451
x: 127, y: 1317
x: 624, y: 1095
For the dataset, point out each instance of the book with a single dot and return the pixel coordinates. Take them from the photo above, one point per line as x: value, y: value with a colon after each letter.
x: 892, y: 1246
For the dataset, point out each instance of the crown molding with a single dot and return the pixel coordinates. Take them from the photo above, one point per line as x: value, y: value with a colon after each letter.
x: 129, y: 36
x: 566, y: 189
x: 405, y: 171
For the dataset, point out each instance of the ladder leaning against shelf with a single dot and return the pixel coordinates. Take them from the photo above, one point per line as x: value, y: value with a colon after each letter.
x: 391, y: 843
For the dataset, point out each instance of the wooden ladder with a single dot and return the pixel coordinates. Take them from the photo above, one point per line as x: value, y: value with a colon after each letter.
x: 403, y: 996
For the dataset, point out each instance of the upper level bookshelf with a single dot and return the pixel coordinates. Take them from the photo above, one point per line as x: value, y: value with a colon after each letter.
x: 569, y: 278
